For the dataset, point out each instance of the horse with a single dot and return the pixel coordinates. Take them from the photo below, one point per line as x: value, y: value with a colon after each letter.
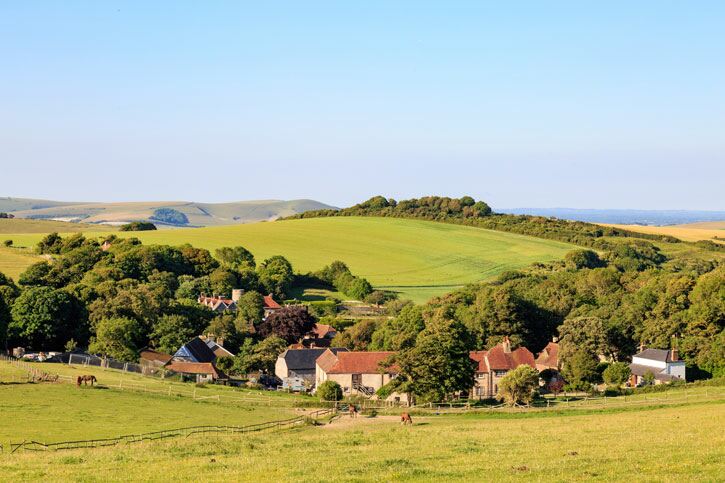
x: 86, y: 379
x: 405, y: 419
x: 352, y: 411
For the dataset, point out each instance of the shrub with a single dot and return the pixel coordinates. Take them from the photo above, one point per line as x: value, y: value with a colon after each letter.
x: 138, y: 226
x: 616, y: 374
x: 519, y: 386
x: 8, y: 243
x: 329, y: 391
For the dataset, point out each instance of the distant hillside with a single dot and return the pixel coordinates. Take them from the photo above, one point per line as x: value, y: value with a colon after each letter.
x: 621, y: 217
x: 21, y: 225
x: 172, y: 214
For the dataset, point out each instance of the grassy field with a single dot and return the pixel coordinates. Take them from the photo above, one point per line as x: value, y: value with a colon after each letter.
x: 688, y: 232
x: 417, y: 258
x: 650, y: 443
x: 21, y: 225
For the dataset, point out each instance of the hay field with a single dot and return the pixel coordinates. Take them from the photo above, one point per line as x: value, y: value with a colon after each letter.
x: 688, y: 232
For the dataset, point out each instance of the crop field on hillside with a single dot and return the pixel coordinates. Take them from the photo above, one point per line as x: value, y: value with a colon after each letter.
x: 417, y: 258
x: 22, y: 225
x: 689, y: 232
x: 630, y: 444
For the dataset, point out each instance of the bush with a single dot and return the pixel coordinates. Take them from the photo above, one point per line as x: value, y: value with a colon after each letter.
x: 329, y: 391
x: 616, y: 374
x: 8, y: 243
x: 519, y: 386
x: 138, y: 226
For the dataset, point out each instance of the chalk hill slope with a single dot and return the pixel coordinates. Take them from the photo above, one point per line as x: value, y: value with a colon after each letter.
x: 197, y: 214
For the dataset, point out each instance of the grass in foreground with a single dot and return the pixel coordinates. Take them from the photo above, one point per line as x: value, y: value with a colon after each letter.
x: 417, y: 258
x: 667, y: 444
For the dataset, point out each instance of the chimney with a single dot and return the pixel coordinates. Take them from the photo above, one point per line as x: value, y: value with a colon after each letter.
x: 237, y: 294
x: 641, y: 346
x: 506, y: 344
x: 674, y: 356
x: 220, y: 341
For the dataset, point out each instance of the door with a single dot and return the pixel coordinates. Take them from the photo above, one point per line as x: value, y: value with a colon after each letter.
x: 356, y: 380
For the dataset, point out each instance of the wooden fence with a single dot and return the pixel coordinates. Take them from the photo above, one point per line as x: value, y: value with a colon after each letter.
x: 168, y: 433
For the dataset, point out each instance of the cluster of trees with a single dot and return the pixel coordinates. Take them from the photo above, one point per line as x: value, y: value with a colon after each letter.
x: 338, y: 275
x: 131, y: 296
x: 170, y: 216
x: 138, y: 226
x: 429, y: 208
x: 467, y: 211
x: 598, y: 305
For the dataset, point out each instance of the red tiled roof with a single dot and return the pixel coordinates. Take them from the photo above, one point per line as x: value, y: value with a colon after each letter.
x: 549, y: 357
x: 480, y: 358
x: 505, y: 361
x: 269, y: 303
x: 322, y: 330
x: 355, y: 362
x: 193, y: 368
x: 214, y: 300
x: 156, y: 356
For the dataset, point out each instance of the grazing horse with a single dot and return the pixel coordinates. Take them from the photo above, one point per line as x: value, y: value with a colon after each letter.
x: 352, y: 411
x: 85, y: 380
x: 405, y: 419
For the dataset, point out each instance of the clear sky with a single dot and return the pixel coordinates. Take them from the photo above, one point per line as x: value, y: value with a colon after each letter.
x: 615, y: 104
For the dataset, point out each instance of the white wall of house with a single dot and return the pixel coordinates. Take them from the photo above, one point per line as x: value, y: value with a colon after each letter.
x: 649, y: 362
x: 676, y: 369
x: 280, y: 368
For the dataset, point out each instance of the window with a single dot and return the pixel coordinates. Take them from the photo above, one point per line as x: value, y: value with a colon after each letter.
x: 500, y: 373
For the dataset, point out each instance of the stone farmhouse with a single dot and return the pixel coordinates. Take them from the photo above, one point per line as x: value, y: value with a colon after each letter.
x: 549, y: 357
x: 664, y: 365
x: 358, y: 373
x: 494, y: 364
x: 300, y: 363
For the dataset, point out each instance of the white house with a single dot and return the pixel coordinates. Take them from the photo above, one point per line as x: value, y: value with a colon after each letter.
x: 664, y: 365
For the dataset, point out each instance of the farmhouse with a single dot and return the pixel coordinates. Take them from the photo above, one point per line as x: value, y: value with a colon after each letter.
x: 216, y: 346
x: 549, y: 357
x: 664, y: 365
x: 300, y: 363
x: 219, y: 303
x: 494, y: 364
x: 358, y: 373
x: 196, y: 350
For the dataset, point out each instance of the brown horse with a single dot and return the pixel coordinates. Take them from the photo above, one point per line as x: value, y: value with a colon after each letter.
x: 352, y: 411
x: 406, y: 419
x: 85, y: 380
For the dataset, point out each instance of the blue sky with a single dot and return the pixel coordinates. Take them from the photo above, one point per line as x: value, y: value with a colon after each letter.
x: 578, y: 104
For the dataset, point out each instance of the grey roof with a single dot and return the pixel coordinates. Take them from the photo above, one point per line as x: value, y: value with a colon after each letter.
x: 660, y: 355
x: 195, y: 350
x: 640, y: 370
x: 304, y: 359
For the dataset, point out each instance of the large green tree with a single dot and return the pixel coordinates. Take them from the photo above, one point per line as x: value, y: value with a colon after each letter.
x: 276, y: 275
x: 439, y: 365
x: 45, y: 319
x: 119, y: 337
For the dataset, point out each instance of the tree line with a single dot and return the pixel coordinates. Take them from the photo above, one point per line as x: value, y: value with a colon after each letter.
x: 130, y: 296
x: 467, y: 211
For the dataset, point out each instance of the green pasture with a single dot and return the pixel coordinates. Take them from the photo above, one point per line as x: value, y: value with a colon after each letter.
x: 669, y: 443
x: 419, y: 259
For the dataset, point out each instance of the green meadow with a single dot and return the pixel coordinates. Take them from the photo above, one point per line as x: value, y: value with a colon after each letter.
x: 654, y: 441
x: 419, y: 259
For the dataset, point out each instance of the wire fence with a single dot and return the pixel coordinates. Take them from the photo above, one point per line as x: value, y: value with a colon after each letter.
x: 169, y: 433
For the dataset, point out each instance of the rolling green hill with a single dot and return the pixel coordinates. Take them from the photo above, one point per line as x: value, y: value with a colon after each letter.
x: 417, y: 258
x: 198, y: 214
